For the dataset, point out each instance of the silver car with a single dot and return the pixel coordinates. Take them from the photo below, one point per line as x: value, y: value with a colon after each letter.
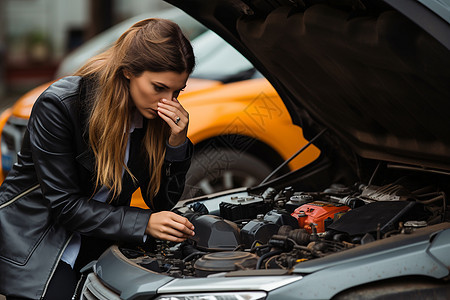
x: 368, y: 81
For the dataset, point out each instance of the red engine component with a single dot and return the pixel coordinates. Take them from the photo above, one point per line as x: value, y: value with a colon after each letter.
x: 318, y: 212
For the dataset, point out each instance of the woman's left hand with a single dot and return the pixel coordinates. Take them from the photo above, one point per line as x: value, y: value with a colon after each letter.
x: 174, y: 114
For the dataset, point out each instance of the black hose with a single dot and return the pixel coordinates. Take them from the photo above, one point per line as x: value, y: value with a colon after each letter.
x: 429, y: 201
x: 193, y: 254
x: 264, y: 256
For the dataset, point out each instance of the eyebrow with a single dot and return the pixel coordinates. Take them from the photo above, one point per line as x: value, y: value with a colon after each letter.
x: 160, y: 83
x: 165, y: 86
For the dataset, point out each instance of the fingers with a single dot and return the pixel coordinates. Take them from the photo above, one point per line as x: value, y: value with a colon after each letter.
x: 172, y: 235
x: 173, y: 113
x: 169, y: 226
x: 182, y: 224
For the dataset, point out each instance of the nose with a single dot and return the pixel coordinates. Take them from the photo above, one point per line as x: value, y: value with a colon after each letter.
x: 167, y: 95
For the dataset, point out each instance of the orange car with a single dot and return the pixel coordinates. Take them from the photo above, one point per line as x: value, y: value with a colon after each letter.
x: 241, y: 132
x: 239, y: 125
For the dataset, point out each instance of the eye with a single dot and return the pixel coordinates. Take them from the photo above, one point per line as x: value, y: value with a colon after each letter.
x: 158, y: 88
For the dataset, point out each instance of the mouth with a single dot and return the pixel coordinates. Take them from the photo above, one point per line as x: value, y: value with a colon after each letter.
x: 152, y: 111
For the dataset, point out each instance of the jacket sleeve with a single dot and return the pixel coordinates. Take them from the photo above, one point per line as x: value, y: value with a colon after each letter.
x: 173, y: 180
x: 52, y: 145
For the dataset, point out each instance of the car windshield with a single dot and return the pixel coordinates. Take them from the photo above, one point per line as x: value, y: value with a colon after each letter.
x: 104, y: 40
x: 218, y: 59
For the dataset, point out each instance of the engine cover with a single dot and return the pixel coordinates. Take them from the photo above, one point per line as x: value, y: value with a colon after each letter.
x: 212, y: 233
x: 318, y: 212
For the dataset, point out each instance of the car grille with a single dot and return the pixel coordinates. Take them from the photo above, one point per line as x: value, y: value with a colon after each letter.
x: 93, y: 289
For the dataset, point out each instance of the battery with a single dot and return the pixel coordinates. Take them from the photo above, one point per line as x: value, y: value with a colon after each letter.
x: 241, y: 208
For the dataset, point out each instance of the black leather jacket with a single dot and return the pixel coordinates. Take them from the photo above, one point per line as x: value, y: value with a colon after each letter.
x: 45, y: 197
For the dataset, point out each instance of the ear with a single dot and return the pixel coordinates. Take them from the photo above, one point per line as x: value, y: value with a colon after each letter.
x: 127, y: 74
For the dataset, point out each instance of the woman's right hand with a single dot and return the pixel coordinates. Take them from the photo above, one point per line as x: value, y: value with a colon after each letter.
x: 166, y: 225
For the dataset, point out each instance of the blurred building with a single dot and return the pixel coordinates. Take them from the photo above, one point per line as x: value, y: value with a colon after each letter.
x: 36, y: 34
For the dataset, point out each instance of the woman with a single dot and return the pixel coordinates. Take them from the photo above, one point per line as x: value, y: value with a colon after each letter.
x: 91, y: 141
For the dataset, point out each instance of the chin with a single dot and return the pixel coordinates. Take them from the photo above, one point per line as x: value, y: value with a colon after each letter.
x: 148, y: 114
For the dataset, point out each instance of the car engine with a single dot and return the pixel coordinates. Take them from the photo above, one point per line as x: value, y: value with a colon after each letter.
x: 278, y: 229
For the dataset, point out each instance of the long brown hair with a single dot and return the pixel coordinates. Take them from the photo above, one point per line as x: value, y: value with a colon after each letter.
x: 155, y: 45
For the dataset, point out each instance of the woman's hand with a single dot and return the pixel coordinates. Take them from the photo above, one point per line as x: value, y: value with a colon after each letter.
x: 178, y: 119
x: 166, y: 225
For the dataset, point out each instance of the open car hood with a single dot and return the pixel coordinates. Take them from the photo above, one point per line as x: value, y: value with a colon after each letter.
x: 375, y: 74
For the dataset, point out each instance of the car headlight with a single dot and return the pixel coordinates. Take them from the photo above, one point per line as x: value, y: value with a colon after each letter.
x: 216, y: 296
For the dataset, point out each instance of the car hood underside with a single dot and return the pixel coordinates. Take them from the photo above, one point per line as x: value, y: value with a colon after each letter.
x: 365, y: 71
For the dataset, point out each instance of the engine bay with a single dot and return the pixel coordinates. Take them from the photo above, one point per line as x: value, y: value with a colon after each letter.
x: 278, y: 229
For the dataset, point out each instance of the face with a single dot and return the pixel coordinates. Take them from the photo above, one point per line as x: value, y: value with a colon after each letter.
x: 149, y: 88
